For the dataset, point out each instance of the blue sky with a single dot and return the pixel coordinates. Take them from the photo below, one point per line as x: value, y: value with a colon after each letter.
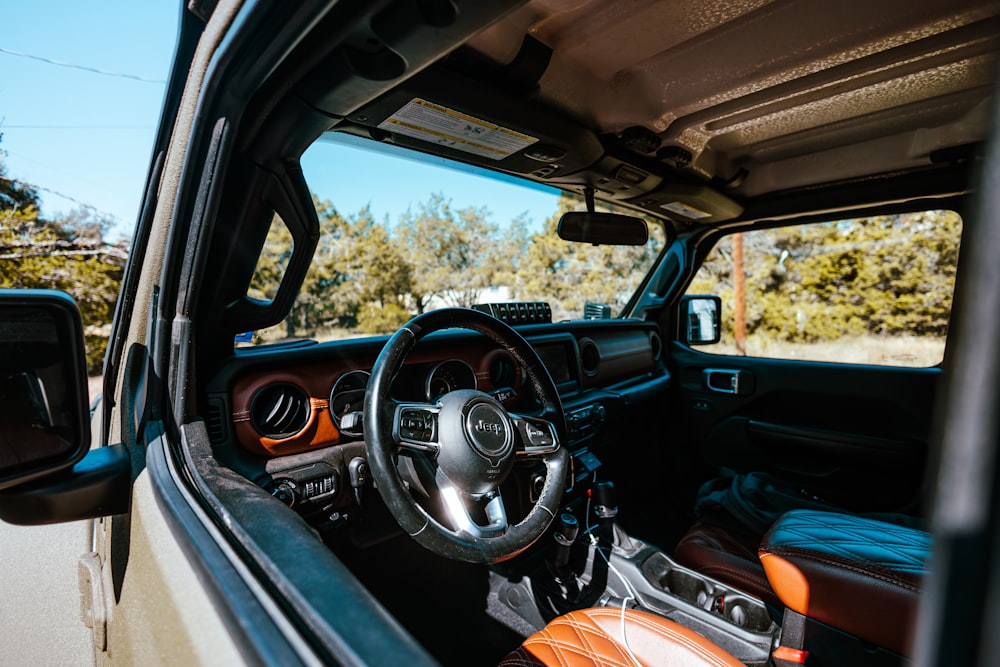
x: 82, y: 134
x: 86, y: 138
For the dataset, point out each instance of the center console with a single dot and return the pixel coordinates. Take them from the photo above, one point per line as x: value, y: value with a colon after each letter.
x: 593, y: 562
x: 734, y: 620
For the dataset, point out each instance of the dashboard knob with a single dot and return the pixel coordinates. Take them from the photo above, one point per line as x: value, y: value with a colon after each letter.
x: 284, y: 491
x: 598, y: 414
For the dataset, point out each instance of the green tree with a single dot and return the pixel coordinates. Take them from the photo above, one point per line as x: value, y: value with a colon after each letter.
x: 883, y: 275
x: 377, y: 276
x: 370, y: 276
x: 569, y: 275
x: 15, y: 195
x: 442, y: 243
x: 69, y: 255
x: 358, y: 276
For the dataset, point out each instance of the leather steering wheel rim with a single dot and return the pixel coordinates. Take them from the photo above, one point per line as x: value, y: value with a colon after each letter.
x: 382, y: 448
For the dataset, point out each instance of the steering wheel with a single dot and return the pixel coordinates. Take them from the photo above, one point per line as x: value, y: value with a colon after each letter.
x: 470, y: 442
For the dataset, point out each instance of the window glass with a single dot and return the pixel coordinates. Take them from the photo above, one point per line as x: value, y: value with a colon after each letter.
x: 868, y: 291
x: 272, y: 262
x: 400, y: 236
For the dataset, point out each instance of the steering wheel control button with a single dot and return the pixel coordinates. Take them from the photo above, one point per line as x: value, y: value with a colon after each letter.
x: 416, y: 425
x: 536, y: 437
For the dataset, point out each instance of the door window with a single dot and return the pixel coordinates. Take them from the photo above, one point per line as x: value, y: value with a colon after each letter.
x: 872, y: 290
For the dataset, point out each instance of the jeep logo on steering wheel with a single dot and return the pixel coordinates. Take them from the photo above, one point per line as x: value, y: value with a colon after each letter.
x: 487, y: 427
x: 487, y: 430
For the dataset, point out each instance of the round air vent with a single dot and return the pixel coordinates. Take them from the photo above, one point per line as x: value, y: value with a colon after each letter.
x: 503, y: 371
x: 655, y: 346
x: 590, y: 356
x: 279, y: 410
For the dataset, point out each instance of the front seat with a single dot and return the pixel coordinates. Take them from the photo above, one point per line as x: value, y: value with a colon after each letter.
x: 734, y: 512
x: 592, y: 637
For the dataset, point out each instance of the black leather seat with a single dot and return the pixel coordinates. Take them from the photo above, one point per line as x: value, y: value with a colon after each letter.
x: 591, y: 637
x: 858, y: 575
x: 734, y: 512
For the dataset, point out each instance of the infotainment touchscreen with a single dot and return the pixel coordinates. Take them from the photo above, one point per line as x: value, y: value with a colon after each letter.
x: 556, y: 358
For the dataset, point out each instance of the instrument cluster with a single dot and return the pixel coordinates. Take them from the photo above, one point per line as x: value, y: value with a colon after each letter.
x: 419, y: 383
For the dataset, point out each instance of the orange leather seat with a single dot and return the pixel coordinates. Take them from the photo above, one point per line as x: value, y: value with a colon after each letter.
x: 591, y: 637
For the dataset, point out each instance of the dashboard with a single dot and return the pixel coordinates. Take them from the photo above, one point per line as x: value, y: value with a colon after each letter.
x: 289, y: 417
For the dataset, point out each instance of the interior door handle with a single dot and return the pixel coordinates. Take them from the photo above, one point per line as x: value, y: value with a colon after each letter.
x: 728, y: 381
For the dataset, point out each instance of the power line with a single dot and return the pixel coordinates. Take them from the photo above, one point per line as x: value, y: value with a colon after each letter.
x: 76, y: 127
x: 93, y: 70
x: 59, y: 194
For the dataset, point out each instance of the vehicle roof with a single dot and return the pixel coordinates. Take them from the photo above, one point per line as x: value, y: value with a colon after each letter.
x: 717, y: 105
x: 794, y: 92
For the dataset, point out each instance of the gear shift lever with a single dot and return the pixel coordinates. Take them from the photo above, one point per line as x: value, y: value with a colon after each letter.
x: 605, y: 504
x: 566, y: 530
x: 605, y: 507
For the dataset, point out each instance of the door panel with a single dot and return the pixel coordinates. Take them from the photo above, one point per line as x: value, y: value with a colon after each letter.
x: 853, y: 435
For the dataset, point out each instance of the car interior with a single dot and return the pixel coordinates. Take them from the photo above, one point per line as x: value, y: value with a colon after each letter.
x: 483, y: 474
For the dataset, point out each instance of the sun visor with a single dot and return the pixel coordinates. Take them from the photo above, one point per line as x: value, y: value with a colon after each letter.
x: 688, y: 203
x: 479, y: 125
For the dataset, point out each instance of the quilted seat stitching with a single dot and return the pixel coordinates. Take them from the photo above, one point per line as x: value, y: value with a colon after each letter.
x: 912, y: 565
x: 883, y: 544
x: 878, y: 553
x: 586, y: 630
x: 866, y: 532
x: 668, y: 633
x: 585, y: 647
x: 848, y: 533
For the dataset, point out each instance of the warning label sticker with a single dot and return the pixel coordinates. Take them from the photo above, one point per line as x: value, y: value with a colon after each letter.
x: 686, y: 211
x: 440, y: 125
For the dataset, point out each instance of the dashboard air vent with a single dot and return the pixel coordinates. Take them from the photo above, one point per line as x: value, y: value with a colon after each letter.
x: 656, y: 346
x: 215, y: 421
x: 503, y: 372
x: 279, y: 410
x: 590, y: 356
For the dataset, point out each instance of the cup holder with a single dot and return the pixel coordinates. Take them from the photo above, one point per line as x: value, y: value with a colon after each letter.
x: 687, y: 586
x: 741, y: 611
x: 745, y: 614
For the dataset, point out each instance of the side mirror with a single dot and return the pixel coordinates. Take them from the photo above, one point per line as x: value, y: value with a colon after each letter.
x: 43, y: 385
x: 48, y: 473
x: 700, y: 315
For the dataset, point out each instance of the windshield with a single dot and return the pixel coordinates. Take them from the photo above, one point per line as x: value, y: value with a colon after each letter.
x: 402, y: 235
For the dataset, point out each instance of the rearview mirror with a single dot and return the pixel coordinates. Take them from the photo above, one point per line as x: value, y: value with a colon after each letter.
x: 43, y: 385
x: 700, y: 317
x: 602, y: 228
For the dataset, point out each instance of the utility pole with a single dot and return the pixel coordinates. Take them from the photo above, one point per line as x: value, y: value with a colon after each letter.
x: 739, y: 297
